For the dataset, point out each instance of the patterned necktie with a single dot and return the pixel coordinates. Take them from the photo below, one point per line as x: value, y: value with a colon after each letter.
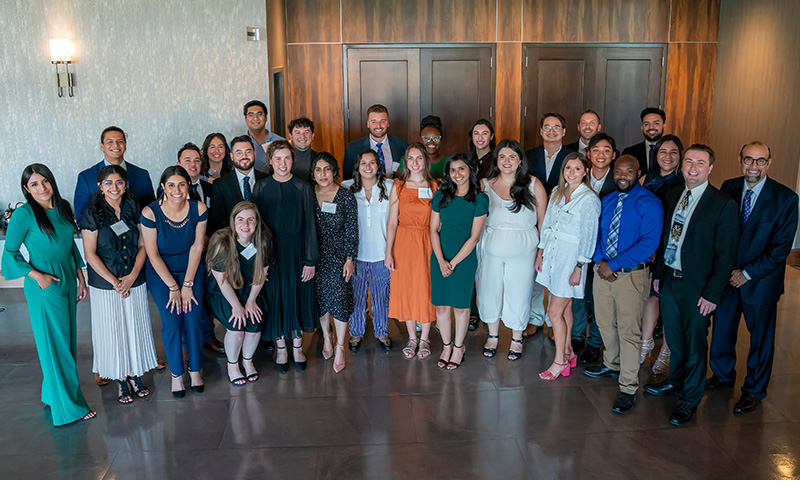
x: 652, y: 160
x: 193, y: 193
x: 746, y: 207
x: 677, y: 229
x: 613, y: 232
x: 246, y: 187
x: 379, y: 146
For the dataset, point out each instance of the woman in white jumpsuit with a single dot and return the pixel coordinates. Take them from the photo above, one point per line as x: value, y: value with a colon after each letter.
x: 508, y: 247
x: 568, y: 239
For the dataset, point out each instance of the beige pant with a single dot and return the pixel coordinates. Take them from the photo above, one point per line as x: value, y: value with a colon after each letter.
x: 618, y: 307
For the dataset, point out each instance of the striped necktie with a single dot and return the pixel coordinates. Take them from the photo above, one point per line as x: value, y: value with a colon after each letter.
x: 613, y: 232
x: 379, y: 146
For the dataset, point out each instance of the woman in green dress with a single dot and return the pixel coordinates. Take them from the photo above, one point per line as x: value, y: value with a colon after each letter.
x: 459, y: 210
x: 45, y: 225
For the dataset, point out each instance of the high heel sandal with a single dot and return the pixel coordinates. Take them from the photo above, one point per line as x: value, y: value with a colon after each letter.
x: 237, y: 381
x: 327, y: 353
x: 489, y: 352
x: 337, y: 365
x: 443, y: 362
x: 410, y: 349
x: 647, y: 347
x: 547, y: 375
x: 513, y: 355
x: 661, y: 366
x: 177, y: 394
x: 572, y: 359
x: 454, y: 365
x: 282, y: 367
x: 424, y: 349
x: 197, y: 389
x: 124, y: 393
x: 250, y: 377
x: 138, y: 388
x: 299, y: 364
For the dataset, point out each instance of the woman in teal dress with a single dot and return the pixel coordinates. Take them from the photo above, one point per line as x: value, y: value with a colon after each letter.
x: 459, y: 210
x: 45, y: 225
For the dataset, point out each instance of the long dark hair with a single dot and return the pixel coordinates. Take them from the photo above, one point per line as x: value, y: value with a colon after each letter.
x: 677, y: 141
x: 227, y: 165
x: 61, y: 205
x: 448, y: 188
x: 168, y: 173
x: 519, y: 191
x: 97, y: 205
x: 223, y: 256
x: 381, y: 174
x: 473, y: 151
x: 325, y: 157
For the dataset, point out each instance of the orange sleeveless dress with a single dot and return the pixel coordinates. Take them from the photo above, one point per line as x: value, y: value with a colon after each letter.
x: 410, y: 291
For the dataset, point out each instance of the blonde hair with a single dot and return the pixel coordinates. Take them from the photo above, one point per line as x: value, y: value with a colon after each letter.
x: 223, y: 256
x: 559, y: 191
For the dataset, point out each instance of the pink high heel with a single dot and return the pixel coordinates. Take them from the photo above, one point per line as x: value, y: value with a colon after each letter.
x: 572, y: 359
x: 546, y: 375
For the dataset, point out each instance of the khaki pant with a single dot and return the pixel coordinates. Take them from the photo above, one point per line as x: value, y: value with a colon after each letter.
x: 618, y: 307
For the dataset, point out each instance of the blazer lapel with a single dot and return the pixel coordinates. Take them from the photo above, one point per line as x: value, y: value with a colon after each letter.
x: 699, y: 211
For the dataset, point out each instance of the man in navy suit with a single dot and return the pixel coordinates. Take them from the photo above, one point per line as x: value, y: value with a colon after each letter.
x: 113, y: 144
x: 390, y: 149
x: 654, y: 121
x: 768, y: 222
x: 545, y: 161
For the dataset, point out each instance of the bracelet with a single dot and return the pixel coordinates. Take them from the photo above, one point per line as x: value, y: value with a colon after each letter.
x: 174, y: 289
x: 188, y: 283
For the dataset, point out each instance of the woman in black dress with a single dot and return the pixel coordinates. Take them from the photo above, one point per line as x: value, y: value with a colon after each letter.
x: 286, y: 204
x: 238, y: 259
x: 337, y: 230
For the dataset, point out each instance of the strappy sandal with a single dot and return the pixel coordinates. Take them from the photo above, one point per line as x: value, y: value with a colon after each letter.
x: 138, y: 388
x: 337, y: 365
x: 411, y: 348
x: 513, y: 355
x: 547, y: 375
x: 424, y: 349
x: 647, y: 347
x: 237, y: 381
x: 487, y: 351
x: 250, y: 377
x: 454, y: 365
x: 282, y: 368
x: 124, y: 393
x: 662, y: 362
x: 442, y: 362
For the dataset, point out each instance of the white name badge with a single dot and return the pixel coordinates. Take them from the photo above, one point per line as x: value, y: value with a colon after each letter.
x: 248, y: 252
x: 328, y: 207
x: 395, y: 166
x: 424, y: 193
x: 119, y: 228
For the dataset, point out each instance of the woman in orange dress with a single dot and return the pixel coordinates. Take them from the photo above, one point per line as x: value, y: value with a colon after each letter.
x: 408, y: 250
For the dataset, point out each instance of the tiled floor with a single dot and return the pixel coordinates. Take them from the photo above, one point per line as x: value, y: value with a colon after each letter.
x: 385, y: 417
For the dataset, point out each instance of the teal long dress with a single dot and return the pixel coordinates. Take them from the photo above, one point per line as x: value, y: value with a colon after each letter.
x: 52, y: 309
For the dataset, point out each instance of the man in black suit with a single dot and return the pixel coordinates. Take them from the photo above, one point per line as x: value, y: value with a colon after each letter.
x: 235, y: 186
x: 768, y: 222
x: 545, y: 161
x: 588, y: 125
x: 390, y: 149
x: 600, y: 152
x: 693, y: 264
x: 301, y: 133
x: 653, y: 122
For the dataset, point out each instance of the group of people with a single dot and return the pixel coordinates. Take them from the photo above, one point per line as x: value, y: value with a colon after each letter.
x: 262, y: 236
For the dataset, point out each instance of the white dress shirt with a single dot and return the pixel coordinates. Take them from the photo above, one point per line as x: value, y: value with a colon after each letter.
x: 697, y: 193
x: 373, y: 218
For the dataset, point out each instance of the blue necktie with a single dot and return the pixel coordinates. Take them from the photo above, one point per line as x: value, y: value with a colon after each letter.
x: 613, y: 232
x: 379, y: 146
x: 652, y: 160
x: 246, y: 188
x: 746, y: 207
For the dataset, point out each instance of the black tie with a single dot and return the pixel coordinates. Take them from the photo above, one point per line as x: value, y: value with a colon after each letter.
x: 193, y: 193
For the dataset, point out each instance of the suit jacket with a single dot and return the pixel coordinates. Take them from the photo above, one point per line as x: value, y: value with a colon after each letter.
x: 225, y: 194
x: 708, y: 253
x: 536, y: 166
x: 608, y: 185
x: 139, y: 184
x: 206, y: 187
x: 766, y: 240
x: 396, y: 145
x: 639, y: 151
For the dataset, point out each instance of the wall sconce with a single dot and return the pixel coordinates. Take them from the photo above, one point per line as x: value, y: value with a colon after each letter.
x: 61, y: 51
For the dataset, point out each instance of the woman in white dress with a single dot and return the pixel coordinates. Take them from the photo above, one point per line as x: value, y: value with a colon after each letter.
x: 568, y: 239
x: 508, y: 249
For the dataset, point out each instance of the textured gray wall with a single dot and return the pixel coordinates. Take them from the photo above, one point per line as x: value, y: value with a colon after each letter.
x: 166, y: 71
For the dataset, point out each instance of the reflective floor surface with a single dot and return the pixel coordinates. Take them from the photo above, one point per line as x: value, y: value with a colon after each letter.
x: 385, y: 417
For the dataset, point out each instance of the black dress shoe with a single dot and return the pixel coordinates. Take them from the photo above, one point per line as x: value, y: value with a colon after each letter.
x: 746, y: 404
x: 600, y: 370
x: 577, y: 346
x: 385, y: 344
x: 665, y: 388
x: 355, y: 344
x: 714, y: 382
x: 473, y: 323
x: 624, y: 403
x: 268, y: 345
x: 683, y: 413
x: 590, y: 355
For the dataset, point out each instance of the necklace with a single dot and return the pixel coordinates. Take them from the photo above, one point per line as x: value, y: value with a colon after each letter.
x: 177, y: 225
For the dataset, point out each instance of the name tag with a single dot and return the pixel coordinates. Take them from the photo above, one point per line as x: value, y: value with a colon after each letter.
x: 119, y: 228
x: 328, y: 207
x: 424, y: 193
x: 395, y: 166
x: 248, y: 252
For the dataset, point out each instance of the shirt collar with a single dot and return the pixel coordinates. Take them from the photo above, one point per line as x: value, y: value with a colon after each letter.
x: 124, y: 165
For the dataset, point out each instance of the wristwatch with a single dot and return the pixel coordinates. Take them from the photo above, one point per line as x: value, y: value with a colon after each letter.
x: 579, y: 265
x: 188, y: 283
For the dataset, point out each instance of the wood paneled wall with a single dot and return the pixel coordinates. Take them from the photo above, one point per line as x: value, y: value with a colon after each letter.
x: 317, y: 30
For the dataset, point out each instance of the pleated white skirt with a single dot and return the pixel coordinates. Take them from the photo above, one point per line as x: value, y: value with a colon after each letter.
x: 122, y: 337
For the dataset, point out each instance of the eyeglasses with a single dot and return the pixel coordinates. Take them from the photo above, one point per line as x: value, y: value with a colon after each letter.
x: 254, y: 114
x: 552, y: 127
x: 115, y: 183
x: 241, y: 152
x: 760, y: 161
x: 432, y: 138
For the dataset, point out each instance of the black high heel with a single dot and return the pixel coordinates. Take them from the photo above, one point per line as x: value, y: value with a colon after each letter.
x: 250, y: 377
x: 300, y: 365
x: 138, y: 388
x: 197, y: 389
x: 178, y: 394
x: 282, y: 368
x: 124, y: 393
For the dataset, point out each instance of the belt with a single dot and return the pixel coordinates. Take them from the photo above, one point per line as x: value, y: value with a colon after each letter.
x: 676, y: 273
x: 634, y: 268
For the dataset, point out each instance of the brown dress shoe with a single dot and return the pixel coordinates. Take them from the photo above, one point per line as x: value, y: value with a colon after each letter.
x: 215, y: 345
x: 101, y: 381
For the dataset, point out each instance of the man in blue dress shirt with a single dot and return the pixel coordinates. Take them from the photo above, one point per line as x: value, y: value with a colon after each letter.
x: 631, y: 221
x: 255, y: 116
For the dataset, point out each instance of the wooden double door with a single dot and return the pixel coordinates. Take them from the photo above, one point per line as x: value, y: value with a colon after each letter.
x: 453, y: 83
